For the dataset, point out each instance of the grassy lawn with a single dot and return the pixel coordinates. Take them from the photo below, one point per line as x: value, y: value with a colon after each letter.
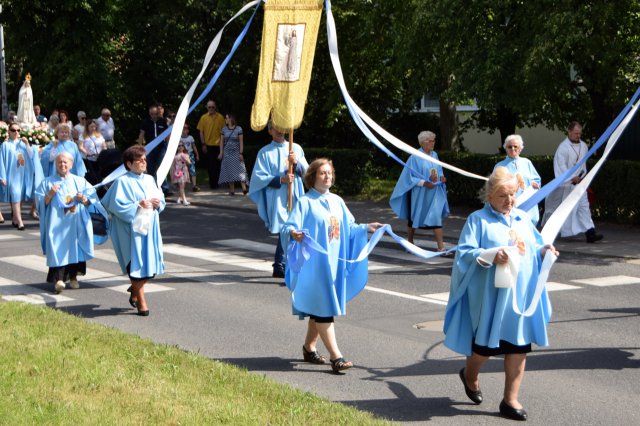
x: 377, y: 190
x: 59, y: 369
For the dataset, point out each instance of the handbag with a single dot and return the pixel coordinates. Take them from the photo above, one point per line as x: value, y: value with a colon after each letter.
x: 99, y: 224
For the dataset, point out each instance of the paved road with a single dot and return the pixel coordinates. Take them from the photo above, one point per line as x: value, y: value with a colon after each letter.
x: 218, y: 299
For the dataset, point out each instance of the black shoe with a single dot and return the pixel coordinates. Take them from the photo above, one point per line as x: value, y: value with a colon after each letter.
x: 133, y: 302
x: 143, y: 313
x: 278, y: 273
x: 475, y: 396
x: 512, y: 413
x: 20, y: 227
x: 592, y: 238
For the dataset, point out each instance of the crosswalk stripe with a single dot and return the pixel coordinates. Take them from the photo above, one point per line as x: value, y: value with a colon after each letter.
x: 18, y: 292
x: 249, y: 245
x: 609, y: 281
x: 443, y: 298
x: 177, y: 270
x: 6, y: 237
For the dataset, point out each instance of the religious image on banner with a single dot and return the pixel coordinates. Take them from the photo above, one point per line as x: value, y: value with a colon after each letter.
x: 286, y: 66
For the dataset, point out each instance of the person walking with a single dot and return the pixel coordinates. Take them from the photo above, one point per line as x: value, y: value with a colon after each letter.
x: 268, y: 187
x: 419, y: 195
x: 66, y: 232
x: 571, y: 151
x: 135, y: 203
x: 322, y: 285
x: 480, y: 319
x: 522, y: 169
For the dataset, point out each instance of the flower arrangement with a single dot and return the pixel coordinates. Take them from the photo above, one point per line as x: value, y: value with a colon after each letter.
x: 37, y: 136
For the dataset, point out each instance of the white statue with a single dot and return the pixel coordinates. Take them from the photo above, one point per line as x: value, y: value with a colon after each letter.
x: 25, y: 104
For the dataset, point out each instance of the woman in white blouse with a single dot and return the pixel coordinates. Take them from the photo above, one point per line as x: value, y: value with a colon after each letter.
x: 93, y: 144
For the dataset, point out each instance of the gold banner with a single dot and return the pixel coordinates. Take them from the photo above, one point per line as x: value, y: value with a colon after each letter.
x: 289, y: 39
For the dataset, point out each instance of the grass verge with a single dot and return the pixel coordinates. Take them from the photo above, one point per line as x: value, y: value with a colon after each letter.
x: 377, y: 190
x: 59, y: 369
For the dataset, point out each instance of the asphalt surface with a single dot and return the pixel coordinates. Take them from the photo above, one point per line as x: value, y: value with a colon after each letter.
x: 218, y: 299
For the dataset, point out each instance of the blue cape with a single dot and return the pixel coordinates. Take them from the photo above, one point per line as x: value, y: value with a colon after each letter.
x: 144, y: 252
x: 326, y: 282
x: 428, y: 205
x: 476, y: 308
x: 272, y: 162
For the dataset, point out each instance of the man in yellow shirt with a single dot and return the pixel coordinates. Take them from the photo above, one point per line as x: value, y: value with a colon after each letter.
x: 210, y: 127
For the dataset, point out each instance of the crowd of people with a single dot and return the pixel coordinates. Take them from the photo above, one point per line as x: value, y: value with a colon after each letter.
x: 317, y: 234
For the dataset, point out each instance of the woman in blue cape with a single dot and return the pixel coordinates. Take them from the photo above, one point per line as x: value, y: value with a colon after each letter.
x: 322, y: 281
x: 20, y: 173
x: 66, y: 233
x: 480, y: 320
x: 420, y: 195
x: 135, y: 202
x: 62, y: 143
x: 522, y: 169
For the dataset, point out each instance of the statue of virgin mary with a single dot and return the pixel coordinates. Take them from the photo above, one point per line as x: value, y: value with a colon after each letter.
x: 25, y: 104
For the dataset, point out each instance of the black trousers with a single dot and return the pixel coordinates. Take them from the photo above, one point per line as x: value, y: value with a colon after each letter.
x: 67, y: 272
x: 213, y: 165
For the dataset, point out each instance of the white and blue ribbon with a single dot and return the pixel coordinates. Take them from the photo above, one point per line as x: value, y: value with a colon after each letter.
x: 359, y: 116
x: 300, y: 251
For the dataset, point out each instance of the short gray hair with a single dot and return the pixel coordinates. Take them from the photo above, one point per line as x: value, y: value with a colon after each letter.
x: 425, y: 135
x: 514, y: 138
x: 500, y: 178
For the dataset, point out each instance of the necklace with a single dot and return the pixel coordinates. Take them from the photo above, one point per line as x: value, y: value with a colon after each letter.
x: 578, y: 151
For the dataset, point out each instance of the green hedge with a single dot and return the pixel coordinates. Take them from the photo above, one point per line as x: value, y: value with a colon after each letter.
x: 616, y: 186
x: 352, y: 165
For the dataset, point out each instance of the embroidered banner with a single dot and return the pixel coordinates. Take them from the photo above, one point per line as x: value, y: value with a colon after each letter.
x: 289, y: 39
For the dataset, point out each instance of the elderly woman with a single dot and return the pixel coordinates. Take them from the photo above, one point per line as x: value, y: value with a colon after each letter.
x: 66, y: 233
x: 19, y: 173
x: 62, y: 143
x: 322, y: 285
x: 480, y: 318
x: 135, y: 202
x: 420, y: 195
x: 522, y: 169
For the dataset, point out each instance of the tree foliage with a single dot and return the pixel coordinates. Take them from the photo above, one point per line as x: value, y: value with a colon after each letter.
x: 523, y: 62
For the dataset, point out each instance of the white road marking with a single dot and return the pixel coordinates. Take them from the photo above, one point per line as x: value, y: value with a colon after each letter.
x: 249, y: 245
x: 18, y: 292
x: 609, y: 281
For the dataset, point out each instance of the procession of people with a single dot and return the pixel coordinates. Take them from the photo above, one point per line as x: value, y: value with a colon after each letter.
x: 318, y: 238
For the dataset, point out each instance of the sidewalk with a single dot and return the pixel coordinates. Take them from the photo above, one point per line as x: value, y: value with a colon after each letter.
x: 619, y: 241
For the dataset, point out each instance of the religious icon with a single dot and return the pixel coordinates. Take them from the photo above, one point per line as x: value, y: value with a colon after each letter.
x: 68, y: 199
x: 515, y: 239
x: 334, y: 228
x: 520, y: 179
x: 20, y: 160
x: 433, y: 176
x: 286, y: 66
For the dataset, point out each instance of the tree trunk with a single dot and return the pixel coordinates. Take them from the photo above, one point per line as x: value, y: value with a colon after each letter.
x: 507, y: 120
x: 448, y: 126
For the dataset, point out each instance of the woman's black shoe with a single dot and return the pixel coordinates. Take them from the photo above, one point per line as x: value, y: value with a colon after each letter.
x: 475, y: 396
x: 133, y: 302
x: 143, y: 313
x: 20, y: 227
x: 512, y: 413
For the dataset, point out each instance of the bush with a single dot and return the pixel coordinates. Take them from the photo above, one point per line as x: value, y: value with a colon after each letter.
x: 352, y: 165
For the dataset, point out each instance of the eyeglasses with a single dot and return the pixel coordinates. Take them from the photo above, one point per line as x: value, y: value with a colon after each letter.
x: 83, y: 118
x: 140, y: 160
x: 513, y: 147
x: 211, y: 107
x: 14, y: 130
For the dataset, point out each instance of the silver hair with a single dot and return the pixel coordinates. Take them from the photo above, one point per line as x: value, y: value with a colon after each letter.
x: 425, y: 135
x: 499, y: 178
x: 65, y: 154
x: 82, y: 114
x: 515, y: 138
x: 61, y: 125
